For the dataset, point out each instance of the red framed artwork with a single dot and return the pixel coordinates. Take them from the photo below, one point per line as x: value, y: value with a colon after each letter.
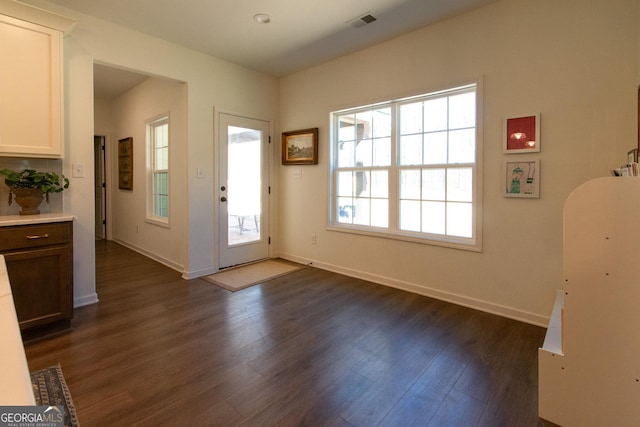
x: 522, y: 134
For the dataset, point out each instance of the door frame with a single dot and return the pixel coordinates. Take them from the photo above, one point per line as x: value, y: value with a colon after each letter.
x: 99, y: 161
x: 268, y: 226
x: 108, y: 179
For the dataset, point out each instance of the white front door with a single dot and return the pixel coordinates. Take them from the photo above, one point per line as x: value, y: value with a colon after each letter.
x: 243, y: 192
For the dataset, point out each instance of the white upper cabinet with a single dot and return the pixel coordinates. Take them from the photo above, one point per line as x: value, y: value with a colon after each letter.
x: 31, y: 76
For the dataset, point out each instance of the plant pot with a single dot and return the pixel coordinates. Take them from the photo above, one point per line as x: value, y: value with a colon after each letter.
x: 28, y: 199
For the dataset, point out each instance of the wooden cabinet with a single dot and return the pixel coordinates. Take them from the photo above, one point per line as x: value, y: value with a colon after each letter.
x: 31, y: 82
x: 39, y: 260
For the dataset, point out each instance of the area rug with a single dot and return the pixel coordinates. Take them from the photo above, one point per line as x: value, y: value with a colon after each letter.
x: 238, y: 278
x: 50, y: 389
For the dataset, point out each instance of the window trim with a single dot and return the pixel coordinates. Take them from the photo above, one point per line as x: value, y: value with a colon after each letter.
x: 150, y: 124
x: 394, y: 233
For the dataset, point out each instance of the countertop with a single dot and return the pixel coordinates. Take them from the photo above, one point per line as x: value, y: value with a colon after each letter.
x: 9, y: 220
x: 16, y: 387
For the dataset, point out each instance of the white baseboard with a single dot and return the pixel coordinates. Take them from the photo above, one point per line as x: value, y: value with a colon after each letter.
x: 198, y: 273
x: 85, y: 300
x: 152, y: 255
x: 486, y: 306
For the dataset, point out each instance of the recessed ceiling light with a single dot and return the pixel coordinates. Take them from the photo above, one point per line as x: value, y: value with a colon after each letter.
x: 262, y: 18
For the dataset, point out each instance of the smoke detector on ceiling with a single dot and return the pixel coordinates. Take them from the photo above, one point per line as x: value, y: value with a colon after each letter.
x: 362, y: 20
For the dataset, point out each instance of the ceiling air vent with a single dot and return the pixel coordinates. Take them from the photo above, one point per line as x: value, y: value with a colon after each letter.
x: 362, y: 20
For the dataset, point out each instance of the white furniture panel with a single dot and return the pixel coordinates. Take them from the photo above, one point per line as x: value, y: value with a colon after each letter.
x: 589, y: 366
x: 16, y: 383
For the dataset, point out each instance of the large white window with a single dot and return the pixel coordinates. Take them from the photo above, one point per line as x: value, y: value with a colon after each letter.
x: 409, y: 169
x: 158, y: 170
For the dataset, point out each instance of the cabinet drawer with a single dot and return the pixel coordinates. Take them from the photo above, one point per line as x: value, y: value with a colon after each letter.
x: 31, y: 236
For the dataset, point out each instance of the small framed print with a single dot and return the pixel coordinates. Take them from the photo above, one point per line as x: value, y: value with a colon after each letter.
x: 632, y: 156
x: 522, y: 134
x: 125, y: 164
x: 521, y: 179
x: 300, y: 147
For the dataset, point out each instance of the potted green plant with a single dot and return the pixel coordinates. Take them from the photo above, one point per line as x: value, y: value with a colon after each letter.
x: 28, y: 187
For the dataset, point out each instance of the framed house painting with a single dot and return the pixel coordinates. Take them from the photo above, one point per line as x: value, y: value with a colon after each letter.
x: 300, y: 147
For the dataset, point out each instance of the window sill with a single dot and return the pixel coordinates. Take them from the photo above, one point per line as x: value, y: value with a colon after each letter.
x: 158, y: 222
x: 447, y: 242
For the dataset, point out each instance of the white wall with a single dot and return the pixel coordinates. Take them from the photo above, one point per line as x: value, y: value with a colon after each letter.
x: 103, y: 117
x: 575, y: 62
x: 130, y: 113
x: 212, y: 84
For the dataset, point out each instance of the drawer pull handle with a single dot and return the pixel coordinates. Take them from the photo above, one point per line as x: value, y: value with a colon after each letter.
x: 45, y: 236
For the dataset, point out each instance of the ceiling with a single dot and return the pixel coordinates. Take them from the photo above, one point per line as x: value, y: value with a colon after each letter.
x: 302, y: 33
x: 109, y: 83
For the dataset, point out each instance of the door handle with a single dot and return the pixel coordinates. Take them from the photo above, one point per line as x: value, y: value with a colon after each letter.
x: 223, y: 199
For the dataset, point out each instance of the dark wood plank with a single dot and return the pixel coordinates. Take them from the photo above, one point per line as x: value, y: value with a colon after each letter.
x: 310, y: 348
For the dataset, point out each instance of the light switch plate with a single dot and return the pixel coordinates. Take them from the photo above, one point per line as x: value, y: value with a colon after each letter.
x: 77, y: 170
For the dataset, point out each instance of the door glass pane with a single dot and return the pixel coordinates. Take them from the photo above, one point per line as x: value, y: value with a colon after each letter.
x: 243, y: 185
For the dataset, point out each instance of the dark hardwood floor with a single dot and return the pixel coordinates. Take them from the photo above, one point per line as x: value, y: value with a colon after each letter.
x: 310, y: 348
